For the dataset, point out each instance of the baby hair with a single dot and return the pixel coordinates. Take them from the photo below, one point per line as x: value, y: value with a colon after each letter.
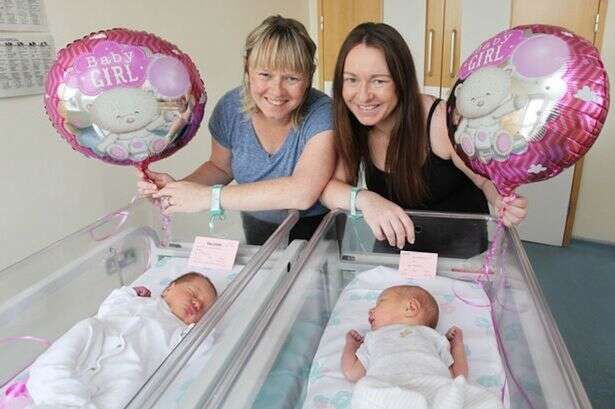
x: 193, y: 275
x: 429, y: 305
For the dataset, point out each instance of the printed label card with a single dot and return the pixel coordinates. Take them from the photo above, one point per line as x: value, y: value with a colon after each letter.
x: 414, y: 264
x: 213, y: 254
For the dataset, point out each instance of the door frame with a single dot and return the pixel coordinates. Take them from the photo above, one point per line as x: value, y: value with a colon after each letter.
x: 578, y: 168
x: 321, y: 48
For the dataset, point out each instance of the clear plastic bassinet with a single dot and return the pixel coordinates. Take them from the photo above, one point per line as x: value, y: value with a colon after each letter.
x: 44, y: 295
x: 279, y: 363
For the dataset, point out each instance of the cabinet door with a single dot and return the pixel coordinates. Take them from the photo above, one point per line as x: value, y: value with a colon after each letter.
x: 434, y: 31
x: 337, y: 19
x: 451, y: 45
x: 553, y: 201
x: 457, y: 28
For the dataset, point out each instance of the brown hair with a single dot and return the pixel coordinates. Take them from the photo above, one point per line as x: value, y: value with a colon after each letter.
x: 279, y: 43
x: 408, y: 143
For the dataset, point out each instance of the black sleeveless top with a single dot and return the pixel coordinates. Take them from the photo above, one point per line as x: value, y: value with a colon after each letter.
x: 448, y: 188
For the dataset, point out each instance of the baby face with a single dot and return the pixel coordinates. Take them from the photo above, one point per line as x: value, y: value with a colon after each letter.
x: 389, y: 309
x: 190, y: 300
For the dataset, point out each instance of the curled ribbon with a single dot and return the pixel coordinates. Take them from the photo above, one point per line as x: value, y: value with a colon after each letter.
x: 480, y: 281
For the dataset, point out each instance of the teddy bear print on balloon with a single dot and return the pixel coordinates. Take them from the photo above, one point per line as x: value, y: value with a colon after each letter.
x: 128, y: 117
x: 483, y: 100
x: 489, y: 94
x: 528, y: 103
x: 124, y: 97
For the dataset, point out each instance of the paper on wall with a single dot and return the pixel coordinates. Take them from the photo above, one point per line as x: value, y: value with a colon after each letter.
x: 25, y: 59
x: 22, y: 15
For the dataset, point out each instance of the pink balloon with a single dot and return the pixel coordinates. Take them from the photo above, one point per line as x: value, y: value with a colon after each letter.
x: 125, y: 97
x: 540, y: 55
x: 534, y: 112
x: 168, y: 76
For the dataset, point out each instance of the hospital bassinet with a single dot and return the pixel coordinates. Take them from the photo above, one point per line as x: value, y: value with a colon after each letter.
x: 274, y: 367
x: 44, y: 295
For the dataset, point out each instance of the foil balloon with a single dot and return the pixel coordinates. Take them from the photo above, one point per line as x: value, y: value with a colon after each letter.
x: 125, y: 97
x: 528, y: 103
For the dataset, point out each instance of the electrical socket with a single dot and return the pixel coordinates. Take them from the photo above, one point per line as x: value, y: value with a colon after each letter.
x: 117, y: 261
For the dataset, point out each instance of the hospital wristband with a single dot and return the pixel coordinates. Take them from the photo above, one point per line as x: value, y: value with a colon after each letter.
x: 354, y: 191
x: 215, y: 209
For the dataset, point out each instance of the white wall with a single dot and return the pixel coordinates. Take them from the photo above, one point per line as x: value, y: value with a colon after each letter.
x: 408, y: 17
x: 595, y: 219
x: 480, y: 20
x: 48, y: 190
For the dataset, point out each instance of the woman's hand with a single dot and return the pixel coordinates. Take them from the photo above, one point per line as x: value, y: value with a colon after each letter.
x: 184, y: 196
x: 150, y: 182
x: 513, y: 211
x: 386, y: 219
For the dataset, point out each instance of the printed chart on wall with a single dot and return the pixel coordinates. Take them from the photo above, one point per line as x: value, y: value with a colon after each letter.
x: 26, y: 47
x: 22, y: 15
x: 25, y: 59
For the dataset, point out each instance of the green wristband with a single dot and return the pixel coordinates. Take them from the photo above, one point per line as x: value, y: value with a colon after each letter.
x: 215, y: 211
x: 353, y: 202
x: 215, y: 200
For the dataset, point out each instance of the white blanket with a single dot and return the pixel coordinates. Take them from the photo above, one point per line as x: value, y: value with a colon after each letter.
x: 408, y: 368
x: 427, y: 392
x: 103, y: 360
x: 328, y: 389
x: 61, y: 376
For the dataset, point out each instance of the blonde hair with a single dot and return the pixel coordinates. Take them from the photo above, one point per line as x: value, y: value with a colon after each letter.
x: 279, y: 43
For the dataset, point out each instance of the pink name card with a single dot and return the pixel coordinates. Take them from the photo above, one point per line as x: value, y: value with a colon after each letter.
x: 413, y: 264
x: 212, y: 253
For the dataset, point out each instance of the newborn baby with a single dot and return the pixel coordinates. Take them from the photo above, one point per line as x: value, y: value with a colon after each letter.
x: 102, y: 361
x: 405, y: 363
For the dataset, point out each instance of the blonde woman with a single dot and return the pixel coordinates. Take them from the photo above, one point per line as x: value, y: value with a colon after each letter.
x: 273, y: 135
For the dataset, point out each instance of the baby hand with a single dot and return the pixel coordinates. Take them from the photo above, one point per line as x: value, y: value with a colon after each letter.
x: 142, y: 291
x: 354, y: 339
x: 455, y: 336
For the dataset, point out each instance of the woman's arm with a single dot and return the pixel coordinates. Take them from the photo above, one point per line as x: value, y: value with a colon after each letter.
x: 386, y: 219
x: 217, y: 170
x: 514, y: 211
x: 336, y: 193
x: 298, y: 191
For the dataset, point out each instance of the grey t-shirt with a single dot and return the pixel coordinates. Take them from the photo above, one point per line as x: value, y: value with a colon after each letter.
x: 233, y: 129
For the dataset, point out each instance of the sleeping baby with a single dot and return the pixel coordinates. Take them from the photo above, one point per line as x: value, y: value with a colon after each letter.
x: 403, y: 362
x: 102, y: 361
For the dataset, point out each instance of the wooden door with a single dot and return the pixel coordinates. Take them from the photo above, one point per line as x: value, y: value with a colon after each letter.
x: 442, y: 46
x: 434, y: 32
x: 451, y: 45
x: 553, y: 202
x: 337, y: 19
